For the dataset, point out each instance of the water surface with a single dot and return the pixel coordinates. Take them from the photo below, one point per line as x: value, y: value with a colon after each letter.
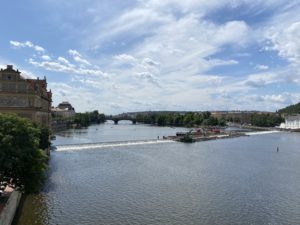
x: 229, y: 181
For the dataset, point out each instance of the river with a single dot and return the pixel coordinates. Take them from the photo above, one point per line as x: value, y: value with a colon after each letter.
x: 144, y: 181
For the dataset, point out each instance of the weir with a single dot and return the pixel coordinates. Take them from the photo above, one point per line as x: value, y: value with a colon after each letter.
x: 82, y: 146
x: 72, y: 147
x: 262, y: 132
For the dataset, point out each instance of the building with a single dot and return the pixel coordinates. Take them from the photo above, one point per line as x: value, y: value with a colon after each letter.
x: 25, y: 97
x: 63, y: 110
x: 291, y: 122
x: 242, y: 117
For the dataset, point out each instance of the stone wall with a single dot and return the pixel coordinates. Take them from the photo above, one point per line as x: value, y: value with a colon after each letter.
x: 8, y: 212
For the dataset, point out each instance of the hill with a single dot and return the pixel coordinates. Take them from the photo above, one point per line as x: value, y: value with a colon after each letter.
x: 292, y: 109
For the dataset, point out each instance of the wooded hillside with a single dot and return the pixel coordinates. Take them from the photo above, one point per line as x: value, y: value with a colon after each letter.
x: 292, y: 109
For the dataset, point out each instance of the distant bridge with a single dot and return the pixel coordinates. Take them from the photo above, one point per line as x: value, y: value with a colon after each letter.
x: 120, y: 117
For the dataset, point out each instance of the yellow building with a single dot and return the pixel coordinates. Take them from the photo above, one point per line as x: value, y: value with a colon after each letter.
x: 25, y: 97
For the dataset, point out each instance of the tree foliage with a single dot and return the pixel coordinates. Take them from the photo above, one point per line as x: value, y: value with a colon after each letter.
x: 188, y: 119
x: 22, y: 162
x: 87, y: 118
x: 266, y: 120
x: 292, y: 109
x: 44, y: 135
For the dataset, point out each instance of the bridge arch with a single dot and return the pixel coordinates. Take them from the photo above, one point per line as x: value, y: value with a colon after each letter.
x: 116, y: 119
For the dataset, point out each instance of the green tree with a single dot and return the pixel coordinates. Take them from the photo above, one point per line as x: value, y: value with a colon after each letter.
x: 291, y: 109
x: 161, y: 120
x: 188, y: 119
x: 178, y: 119
x: 210, y: 121
x: 22, y: 163
x: 44, y: 135
x: 266, y: 120
x: 101, y: 118
x: 94, y: 116
x: 82, y: 119
x: 222, y: 122
x: 198, y: 118
x: 206, y: 115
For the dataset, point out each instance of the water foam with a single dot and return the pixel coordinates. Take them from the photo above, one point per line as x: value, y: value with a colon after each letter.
x: 72, y: 147
x: 262, y: 132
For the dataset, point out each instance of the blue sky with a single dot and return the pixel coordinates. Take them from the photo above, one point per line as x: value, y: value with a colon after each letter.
x: 135, y: 55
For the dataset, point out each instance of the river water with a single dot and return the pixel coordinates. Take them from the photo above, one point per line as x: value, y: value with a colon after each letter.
x: 144, y: 181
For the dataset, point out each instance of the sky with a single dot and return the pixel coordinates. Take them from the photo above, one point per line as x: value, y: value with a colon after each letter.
x: 120, y: 56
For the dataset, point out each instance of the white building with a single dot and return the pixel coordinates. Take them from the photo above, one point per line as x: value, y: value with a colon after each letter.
x: 291, y: 122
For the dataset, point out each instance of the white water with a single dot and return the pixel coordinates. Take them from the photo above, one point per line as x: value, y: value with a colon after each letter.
x: 261, y: 132
x: 73, y: 147
x: 107, y: 145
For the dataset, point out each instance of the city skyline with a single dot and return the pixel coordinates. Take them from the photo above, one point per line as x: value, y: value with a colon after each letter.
x: 123, y: 56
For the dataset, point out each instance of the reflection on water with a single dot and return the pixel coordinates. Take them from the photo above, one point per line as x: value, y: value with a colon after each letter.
x: 110, y: 132
x: 230, y: 181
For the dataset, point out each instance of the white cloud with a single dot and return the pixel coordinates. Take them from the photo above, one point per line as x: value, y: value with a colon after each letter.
x: 58, y: 66
x: 262, y: 79
x: 28, y: 75
x: 280, y: 98
x: 148, y: 77
x: 282, y: 33
x: 262, y: 67
x: 29, y: 44
x: 63, y: 60
x: 46, y: 57
x: 219, y: 62
x: 150, y: 62
x: 163, y: 54
x: 78, y: 57
x: 125, y: 59
x: 39, y: 48
x: 287, y: 42
x: 233, y: 32
x: 73, y: 94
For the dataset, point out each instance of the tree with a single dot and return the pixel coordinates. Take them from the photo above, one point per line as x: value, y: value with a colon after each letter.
x: 94, y: 116
x: 82, y: 119
x: 291, y: 109
x: 44, y: 135
x: 210, y: 121
x: 188, y: 119
x: 161, y: 120
x: 22, y: 163
x: 266, y: 120
x: 101, y: 118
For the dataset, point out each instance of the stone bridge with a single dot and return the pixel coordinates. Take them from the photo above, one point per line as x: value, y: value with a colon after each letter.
x: 120, y: 117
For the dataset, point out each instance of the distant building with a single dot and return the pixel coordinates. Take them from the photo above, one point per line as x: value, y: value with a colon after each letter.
x: 243, y: 117
x: 25, y: 97
x: 63, y: 110
x: 291, y: 122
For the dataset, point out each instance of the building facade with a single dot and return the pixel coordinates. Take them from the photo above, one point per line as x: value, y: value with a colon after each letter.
x: 242, y: 117
x: 25, y: 97
x: 63, y: 110
x: 291, y: 122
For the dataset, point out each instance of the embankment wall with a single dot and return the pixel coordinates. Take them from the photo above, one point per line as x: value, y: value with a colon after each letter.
x: 9, y: 210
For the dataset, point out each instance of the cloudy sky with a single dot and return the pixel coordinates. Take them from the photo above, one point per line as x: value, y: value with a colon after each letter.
x: 135, y: 55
